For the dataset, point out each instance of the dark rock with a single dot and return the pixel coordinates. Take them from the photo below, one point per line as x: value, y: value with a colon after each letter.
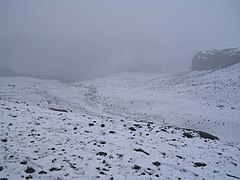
x: 207, y: 135
x: 54, y: 169
x: 112, y: 132
x: 4, y: 140
x: 102, y: 125
x: 3, y: 178
x: 1, y: 168
x: 132, y: 129
x: 216, y: 59
x: 42, y: 172
x: 199, y: 164
x: 30, y: 170
x: 236, y: 177
x: 101, y: 154
x: 141, y: 150
x: 28, y: 177
x: 156, y: 163
x: 102, y: 142
x: 188, y: 135
x: 91, y: 124
x: 136, y: 167
x: 59, y: 110
x: 180, y: 157
x: 23, y: 162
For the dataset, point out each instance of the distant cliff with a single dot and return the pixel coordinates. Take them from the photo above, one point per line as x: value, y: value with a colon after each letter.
x: 215, y: 59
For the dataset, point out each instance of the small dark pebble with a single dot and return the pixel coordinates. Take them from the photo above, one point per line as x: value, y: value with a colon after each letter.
x: 136, y: 167
x: 102, y: 142
x: 91, y: 124
x: 156, y: 163
x: 180, y: 157
x: 42, y: 172
x: 30, y: 170
x: 199, y: 164
x: 1, y: 168
x: 102, y: 125
x: 54, y: 169
x: 112, y: 132
x: 23, y: 162
x: 101, y: 154
x: 132, y: 129
x: 4, y: 140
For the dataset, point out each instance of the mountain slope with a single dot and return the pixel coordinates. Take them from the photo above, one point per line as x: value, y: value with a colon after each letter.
x: 122, y: 127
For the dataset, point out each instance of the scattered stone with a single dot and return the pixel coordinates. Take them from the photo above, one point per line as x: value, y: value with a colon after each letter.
x: 102, y: 142
x: 4, y: 140
x: 23, y: 162
x: 102, y: 125
x: 132, y: 129
x: 141, y: 150
x: 91, y: 124
x: 54, y: 169
x: 59, y: 110
x: 188, y: 135
x: 28, y: 177
x: 1, y: 168
x: 101, y: 154
x: 112, y: 132
x: 156, y: 163
x: 229, y: 175
x: 199, y: 164
x: 180, y: 157
x: 29, y: 170
x: 136, y: 167
x: 42, y: 172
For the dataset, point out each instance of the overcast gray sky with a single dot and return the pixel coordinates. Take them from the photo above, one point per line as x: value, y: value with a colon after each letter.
x: 68, y: 36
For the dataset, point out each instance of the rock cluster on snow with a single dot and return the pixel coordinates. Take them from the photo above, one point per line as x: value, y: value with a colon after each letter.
x: 215, y: 59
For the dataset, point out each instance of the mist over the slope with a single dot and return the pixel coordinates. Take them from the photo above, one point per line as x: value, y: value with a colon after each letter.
x: 91, y: 38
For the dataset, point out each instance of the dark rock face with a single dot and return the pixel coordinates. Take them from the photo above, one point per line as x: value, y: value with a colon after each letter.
x: 207, y: 135
x: 216, y: 59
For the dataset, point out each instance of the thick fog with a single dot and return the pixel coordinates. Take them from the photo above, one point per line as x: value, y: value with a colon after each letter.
x: 80, y: 38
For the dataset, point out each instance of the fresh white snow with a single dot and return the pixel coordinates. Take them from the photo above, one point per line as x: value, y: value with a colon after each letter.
x: 126, y: 126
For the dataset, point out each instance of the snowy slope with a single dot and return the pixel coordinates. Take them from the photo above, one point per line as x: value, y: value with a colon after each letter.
x: 122, y: 127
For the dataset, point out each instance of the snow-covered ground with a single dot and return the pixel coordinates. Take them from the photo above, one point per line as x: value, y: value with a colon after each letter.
x: 126, y: 126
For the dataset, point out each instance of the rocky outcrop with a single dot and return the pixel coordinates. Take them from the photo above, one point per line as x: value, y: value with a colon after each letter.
x: 215, y: 59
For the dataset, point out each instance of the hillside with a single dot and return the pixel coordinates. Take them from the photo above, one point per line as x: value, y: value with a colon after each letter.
x: 127, y: 126
x: 215, y: 59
